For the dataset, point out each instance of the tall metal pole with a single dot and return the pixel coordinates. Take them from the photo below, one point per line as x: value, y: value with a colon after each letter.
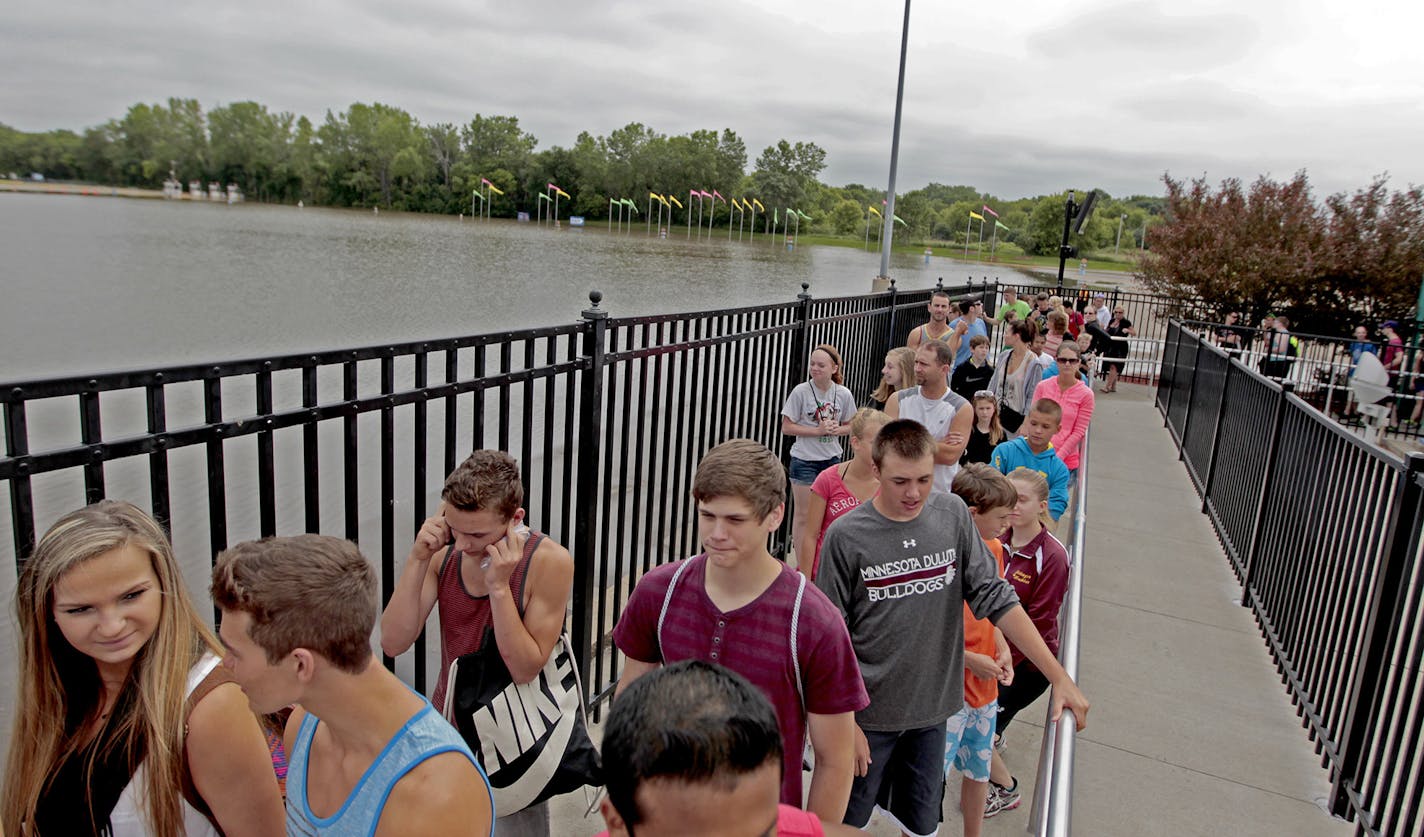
x: 1122, y: 218
x: 889, y: 228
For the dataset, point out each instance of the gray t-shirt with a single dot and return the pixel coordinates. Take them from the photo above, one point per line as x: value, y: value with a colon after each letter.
x: 901, y: 587
x: 806, y: 406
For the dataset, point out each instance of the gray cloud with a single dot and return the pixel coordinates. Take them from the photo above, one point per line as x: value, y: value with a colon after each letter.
x: 1026, y: 100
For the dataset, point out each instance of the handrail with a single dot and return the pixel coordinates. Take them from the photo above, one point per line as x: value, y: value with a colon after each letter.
x: 1052, y: 814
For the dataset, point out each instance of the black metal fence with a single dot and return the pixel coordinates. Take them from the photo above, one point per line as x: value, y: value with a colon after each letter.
x: 1323, y: 530
x: 607, y: 417
x: 1319, y: 371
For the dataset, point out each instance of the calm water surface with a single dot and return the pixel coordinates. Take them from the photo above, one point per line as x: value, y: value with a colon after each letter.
x: 92, y: 284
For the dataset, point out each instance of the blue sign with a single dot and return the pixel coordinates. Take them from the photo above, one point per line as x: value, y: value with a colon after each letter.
x: 576, y: 220
x: 523, y: 217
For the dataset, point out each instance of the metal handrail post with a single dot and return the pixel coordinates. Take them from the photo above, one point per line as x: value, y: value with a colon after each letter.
x: 1216, y: 438
x: 1053, y: 798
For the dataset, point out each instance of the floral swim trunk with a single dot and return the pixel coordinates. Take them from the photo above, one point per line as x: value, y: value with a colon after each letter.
x: 969, y: 741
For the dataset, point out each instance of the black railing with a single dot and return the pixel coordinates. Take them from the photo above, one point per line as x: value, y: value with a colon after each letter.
x: 607, y: 417
x: 1323, y: 530
x: 1319, y: 369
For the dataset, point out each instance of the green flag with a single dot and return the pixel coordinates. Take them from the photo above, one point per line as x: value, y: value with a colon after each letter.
x: 1001, y: 226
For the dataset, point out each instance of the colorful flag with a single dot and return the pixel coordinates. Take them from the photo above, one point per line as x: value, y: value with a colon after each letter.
x: 628, y: 203
x: 876, y: 211
x: 1000, y: 226
x: 484, y: 181
x: 703, y: 194
x: 555, y: 188
x: 758, y: 205
x: 494, y: 188
x: 804, y: 216
x: 973, y: 214
x: 560, y: 192
x: 656, y: 196
x: 988, y: 211
x: 716, y: 194
x: 775, y: 216
x: 899, y: 219
x: 543, y: 197
x: 674, y: 199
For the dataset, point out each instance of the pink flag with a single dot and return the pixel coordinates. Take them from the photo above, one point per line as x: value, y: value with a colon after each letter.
x: 555, y: 188
x: 692, y: 193
x: 716, y: 194
x: 485, y: 182
x: 990, y: 211
x: 703, y: 194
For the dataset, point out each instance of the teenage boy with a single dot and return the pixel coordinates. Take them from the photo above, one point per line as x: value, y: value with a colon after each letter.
x: 969, y: 739
x: 693, y: 750
x: 1011, y: 304
x: 736, y: 605
x: 367, y: 755
x: 494, y: 578
x: 948, y: 417
x: 1033, y: 449
x: 899, y: 568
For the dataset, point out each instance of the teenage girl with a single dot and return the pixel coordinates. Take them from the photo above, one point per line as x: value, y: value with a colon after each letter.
x: 840, y: 488
x: 987, y: 431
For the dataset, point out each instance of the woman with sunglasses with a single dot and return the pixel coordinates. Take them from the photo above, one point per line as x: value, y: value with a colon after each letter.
x: 1076, y: 399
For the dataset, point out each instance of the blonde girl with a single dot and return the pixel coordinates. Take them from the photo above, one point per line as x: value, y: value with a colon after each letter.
x: 1038, y: 570
x: 897, y: 374
x: 127, y: 724
x: 840, y: 488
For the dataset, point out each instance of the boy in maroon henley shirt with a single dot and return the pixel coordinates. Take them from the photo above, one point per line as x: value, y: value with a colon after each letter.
x: 738, y: 606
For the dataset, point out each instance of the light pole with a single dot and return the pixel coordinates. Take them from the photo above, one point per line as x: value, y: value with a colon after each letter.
x: 889, y: 217
x: 1119, y: 232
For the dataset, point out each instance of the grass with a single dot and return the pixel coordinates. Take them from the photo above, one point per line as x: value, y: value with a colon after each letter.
x: 1122, y: 264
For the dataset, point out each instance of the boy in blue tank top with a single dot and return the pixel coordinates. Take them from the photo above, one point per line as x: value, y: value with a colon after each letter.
x: 366, y: 755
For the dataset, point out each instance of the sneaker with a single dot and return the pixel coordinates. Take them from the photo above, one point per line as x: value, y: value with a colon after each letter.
x: 1001, y: 799
x: 1000, y: 745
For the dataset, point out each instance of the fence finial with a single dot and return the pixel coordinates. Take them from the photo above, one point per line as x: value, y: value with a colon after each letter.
x: 595, y: 313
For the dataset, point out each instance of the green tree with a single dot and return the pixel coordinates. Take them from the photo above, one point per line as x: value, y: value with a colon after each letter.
x: 785, y: 172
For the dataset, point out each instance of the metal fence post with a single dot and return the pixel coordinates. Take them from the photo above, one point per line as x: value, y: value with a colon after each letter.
x: 1272, y: 450
x: 1391, y: 590
x: 1191, y: 396
x: 1216, y: 439
x: 796, y: 373
x: 590, y: 500
x: 1172, y: 382
x: 890, y: 341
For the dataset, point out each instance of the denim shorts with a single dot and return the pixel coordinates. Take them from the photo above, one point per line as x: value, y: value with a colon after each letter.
x: 969, y: 741
x: 804, y: 472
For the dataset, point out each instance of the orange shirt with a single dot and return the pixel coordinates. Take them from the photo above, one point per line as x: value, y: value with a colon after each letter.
x: 979, y: 638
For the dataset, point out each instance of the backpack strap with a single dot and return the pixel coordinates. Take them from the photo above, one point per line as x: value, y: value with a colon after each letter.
x: 795, y: 626
x: 531, y: 543
x: 667, y: 600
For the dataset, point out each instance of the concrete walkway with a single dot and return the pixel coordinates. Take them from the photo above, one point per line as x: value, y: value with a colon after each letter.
x: 1191, y: 732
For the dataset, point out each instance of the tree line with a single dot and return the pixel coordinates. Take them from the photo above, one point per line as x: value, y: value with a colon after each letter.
x: 1272, y: 247
x: 379, y: 155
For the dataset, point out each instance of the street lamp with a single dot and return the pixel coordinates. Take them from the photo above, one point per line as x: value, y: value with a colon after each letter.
x: 1119, y: 232
x: 889, y: 218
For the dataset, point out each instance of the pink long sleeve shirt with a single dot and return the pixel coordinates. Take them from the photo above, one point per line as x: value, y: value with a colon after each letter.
x: 1077, y: 404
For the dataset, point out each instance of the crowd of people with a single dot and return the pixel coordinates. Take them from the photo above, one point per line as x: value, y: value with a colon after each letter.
x: 917, y: 616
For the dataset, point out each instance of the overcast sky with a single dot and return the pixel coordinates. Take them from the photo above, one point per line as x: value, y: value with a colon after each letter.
x: 1020, y: 97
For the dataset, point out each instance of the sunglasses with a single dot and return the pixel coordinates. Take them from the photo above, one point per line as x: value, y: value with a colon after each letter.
x: 984, y: 393
x: 1068, y: 359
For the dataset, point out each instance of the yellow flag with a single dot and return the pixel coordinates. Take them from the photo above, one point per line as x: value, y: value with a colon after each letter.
x: 493, y: 189
x: 758, y: 205
x: 975, y: 215
x: 674, y: 199
x: 876, y: 211
x: 561, y: 193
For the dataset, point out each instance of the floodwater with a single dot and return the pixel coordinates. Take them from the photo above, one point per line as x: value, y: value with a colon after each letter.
x: 100, y: 284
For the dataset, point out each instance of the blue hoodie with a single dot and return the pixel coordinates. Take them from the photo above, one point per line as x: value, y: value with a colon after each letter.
x: 1016, y: 454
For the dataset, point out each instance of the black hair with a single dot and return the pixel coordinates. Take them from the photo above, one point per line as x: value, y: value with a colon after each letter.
x: 690, y: 722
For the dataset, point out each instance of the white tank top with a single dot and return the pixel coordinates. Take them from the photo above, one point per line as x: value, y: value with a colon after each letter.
x: 936, y: 416
x: 130, y: 815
